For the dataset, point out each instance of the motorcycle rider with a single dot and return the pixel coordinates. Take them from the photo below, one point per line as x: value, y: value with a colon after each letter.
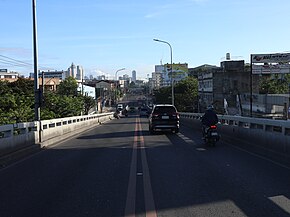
x: 208, y: 119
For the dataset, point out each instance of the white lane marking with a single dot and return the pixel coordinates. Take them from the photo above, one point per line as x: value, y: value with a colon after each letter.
x: 186, y: 139
x: 281, y: 201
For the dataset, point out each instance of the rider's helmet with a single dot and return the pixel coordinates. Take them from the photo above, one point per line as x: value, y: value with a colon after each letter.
x: 210, y: 107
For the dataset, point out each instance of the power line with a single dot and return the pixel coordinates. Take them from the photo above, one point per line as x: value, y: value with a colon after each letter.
x: 8, y: 61
x: 17, y: 61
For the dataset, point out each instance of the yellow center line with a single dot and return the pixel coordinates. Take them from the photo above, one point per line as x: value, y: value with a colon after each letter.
x: 131, y: 194
x: 148, y: 193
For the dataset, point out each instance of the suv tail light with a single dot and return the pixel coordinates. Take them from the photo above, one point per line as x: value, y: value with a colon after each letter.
x: 175, y: 114
x: 155, y: 115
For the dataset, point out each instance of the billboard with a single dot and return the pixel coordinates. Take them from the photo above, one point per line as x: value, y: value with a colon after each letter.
x: 271, y: 58
x: 271, y: 69
x: 277, y: 63
x: 180, y: 70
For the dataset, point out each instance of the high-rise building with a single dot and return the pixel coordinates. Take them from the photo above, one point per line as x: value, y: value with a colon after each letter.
x: 134, y: 76
x: 125, y: 77
x: 71, y: 71
x: 74, y: 71
x: 156, y: 80
x: 80, y: 73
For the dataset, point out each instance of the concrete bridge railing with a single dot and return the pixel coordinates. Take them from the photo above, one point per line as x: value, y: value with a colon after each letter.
x: 17, y: 136
x: 270, y: 136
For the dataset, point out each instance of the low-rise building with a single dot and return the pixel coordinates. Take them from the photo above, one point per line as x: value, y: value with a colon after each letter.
x: 221, y: 85
x: 49, y: 84
x: 7, y: 75
x: 227, y: 87
x: 51, y: 74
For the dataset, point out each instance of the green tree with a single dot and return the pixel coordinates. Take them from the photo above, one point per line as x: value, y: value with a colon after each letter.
x: 48, y: 109
x: 132, y: 84
x: 68, y: 87
x: 89, y: 102
x: 186, y: 92
x: 68, y: 106
x: 16, y: 102
x: 275, y: 84
x: 163, y: 95
x: 22, y: 86
x: 58, y: 106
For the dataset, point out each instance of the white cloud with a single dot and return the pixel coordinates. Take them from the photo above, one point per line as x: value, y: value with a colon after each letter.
x: 151, y: 15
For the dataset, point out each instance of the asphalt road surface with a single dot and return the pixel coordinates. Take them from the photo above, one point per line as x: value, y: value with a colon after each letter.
x: 119, y: 169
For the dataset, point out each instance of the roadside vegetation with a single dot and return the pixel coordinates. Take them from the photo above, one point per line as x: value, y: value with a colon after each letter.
x: 17, y: 101
x: 275, y: 84
x: 185, y: 95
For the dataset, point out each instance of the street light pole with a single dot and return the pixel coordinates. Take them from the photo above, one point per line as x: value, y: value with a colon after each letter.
x: 172, y: 85
x: 118, y: 71
x: 117, y: 82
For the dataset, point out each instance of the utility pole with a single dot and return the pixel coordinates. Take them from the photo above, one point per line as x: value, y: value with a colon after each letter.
x: 36, y: 82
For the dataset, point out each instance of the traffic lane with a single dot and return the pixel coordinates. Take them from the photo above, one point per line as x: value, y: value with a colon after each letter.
x: 251, y: 146
x: 189, y: 178
x: 84, y: 176
x: 257, y: 167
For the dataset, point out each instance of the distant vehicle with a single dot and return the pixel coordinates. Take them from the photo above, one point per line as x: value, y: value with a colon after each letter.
x: 143, y: 112
x: 132, y: 109
x: 120, y: 106
x: 164, y: 117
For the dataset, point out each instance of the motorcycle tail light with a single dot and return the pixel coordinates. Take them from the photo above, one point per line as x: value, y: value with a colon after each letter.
x: 213, y: 127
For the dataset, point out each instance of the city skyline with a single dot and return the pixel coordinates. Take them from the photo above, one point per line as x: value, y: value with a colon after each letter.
x: 108, y: 35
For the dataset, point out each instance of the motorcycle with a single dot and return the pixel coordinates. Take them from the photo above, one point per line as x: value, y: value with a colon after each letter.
x: 211, y: 135
x: 125, y: 112
x: 117, y: 114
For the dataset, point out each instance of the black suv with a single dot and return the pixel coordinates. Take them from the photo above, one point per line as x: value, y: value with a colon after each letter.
x: 164, y: 117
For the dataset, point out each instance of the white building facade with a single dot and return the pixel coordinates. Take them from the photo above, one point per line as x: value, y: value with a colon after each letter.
x: 5, y: 74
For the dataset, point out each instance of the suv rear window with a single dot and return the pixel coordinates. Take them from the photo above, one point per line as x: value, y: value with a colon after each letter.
x: 164, y: 109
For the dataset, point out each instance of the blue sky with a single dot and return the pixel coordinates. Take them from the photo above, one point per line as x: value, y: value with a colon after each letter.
x: 104, y: 36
